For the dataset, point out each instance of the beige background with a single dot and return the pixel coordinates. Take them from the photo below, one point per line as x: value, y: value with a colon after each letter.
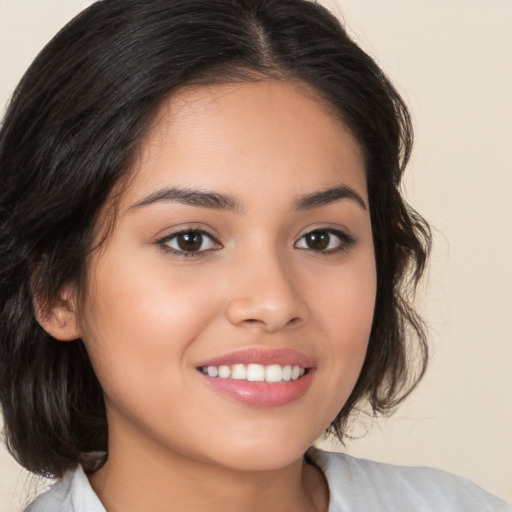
x: 452, y: 60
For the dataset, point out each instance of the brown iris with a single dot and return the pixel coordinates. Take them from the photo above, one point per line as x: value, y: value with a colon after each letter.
x: 318, y: 240
x: 191, y: 241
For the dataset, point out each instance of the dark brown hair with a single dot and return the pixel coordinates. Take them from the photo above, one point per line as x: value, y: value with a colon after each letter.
x: 70, y: 131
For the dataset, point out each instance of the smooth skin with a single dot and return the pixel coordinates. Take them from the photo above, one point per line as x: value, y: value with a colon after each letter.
x: 247, y: 273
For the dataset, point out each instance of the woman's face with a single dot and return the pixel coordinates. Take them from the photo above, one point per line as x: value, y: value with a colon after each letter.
x: 227, y: 317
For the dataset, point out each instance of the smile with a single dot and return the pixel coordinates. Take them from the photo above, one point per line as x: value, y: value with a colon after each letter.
x: 254, y: 372
x: 260, y: 377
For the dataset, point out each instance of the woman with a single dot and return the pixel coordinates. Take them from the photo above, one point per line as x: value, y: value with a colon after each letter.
x: 202, y: 200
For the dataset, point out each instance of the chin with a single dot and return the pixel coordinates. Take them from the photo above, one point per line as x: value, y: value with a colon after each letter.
x: 259, y: 453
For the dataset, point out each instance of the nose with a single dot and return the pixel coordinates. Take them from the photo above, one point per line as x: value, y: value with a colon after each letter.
x: 265, y: 294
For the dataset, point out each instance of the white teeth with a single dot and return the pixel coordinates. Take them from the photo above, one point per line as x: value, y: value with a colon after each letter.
x: 256, y: 372
x: 287, y: 373
x: 296, y: 372
x: 274, y: 373
x: 224, y: 372
x: 239, y: 372
x: 213, y: 371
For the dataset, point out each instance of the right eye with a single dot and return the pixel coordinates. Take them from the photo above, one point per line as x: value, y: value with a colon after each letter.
x: 189, y: 242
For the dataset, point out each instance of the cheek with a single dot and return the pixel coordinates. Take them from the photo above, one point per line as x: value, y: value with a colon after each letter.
x: 138, y: 327
x: 345, y: 311
x: 346, y: 301
x: 134, y: 299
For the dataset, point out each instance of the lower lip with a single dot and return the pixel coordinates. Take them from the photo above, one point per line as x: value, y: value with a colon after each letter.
x: 261, y: 394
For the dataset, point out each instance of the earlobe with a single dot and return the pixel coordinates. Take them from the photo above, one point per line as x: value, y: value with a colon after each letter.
x: 59, y: 318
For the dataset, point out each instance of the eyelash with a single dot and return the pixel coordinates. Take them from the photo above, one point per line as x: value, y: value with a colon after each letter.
x: 164, y: 242
x: 346, y: 241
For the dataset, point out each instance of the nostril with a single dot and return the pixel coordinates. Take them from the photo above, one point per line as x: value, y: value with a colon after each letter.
x: 251, y: 321
x: 266, y: 312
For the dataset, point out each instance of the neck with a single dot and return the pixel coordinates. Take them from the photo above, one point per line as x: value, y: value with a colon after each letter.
x: 139, y: 477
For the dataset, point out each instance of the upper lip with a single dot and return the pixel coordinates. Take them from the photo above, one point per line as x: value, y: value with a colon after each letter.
x: 265, y: 357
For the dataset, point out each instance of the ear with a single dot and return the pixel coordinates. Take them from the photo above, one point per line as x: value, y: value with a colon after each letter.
x: 60, y: 317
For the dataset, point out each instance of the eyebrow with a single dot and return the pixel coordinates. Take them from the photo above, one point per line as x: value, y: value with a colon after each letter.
x: 328, y: 196
x: 192, y: 197
x: 218, y: 201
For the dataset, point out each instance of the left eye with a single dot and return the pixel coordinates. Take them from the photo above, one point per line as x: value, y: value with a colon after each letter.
x: 325, y: 240
x: 191, y: 241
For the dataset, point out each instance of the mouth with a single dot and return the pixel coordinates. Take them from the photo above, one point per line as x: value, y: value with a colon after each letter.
x: 260, y: 378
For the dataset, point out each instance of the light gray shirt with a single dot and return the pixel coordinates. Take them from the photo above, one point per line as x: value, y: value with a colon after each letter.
x: 355, y: 485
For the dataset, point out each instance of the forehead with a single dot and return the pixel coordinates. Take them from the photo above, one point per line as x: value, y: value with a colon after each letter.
x: 219, y: 136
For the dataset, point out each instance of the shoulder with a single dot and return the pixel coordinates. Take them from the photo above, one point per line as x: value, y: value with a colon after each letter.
x: 359, y: 484
x: 72, y: 493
